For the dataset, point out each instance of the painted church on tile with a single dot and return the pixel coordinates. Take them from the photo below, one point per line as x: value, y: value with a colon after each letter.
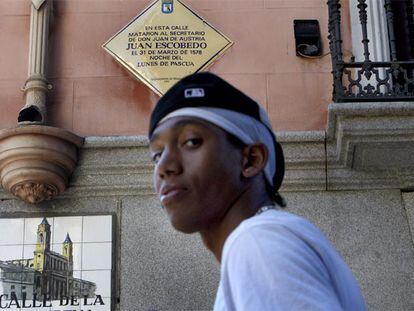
x: 47, y: 273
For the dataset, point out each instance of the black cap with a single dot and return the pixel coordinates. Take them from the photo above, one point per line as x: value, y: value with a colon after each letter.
x: 208, y: 90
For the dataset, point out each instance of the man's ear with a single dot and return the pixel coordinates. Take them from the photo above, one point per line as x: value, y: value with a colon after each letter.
x: 254, y: 159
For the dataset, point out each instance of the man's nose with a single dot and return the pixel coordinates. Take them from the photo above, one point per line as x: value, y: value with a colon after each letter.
x: 169, y: 163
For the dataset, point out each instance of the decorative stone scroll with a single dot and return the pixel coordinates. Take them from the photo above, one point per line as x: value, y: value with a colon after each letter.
x: 36, y: 161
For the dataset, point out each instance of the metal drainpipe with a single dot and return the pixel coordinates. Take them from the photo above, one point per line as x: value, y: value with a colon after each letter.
x: 36, y: 86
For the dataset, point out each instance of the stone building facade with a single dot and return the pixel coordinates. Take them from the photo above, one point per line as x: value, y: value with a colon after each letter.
x: 349, y: 165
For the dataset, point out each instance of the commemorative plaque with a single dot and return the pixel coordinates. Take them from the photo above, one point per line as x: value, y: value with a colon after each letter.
x: 165, y: 43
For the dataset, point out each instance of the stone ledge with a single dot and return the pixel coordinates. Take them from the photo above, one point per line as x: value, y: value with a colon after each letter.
x: 370, y: 145
x: 366, y: 146
x: 373, y: 109
x: 305, y: 160
x: 121, y: 165
x: 94, y: 142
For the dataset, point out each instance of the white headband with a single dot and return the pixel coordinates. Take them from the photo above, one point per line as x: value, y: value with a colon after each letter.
x: 242, y: 126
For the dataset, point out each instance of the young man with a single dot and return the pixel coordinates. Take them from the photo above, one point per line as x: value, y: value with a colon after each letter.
x: 217, y: 171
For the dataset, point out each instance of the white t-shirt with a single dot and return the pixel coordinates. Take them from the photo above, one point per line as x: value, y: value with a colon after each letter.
x: 279, y: 261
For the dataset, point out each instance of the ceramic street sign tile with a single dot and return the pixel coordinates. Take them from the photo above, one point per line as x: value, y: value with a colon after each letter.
x: 44, y: 269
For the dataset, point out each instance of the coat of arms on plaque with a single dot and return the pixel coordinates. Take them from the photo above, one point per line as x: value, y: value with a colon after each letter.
x: 167, y: 6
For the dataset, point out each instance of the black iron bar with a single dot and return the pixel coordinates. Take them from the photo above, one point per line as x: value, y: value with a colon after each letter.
x: 377, y: 64
x: 363, y: 18
x: 335, y: 28
x: 371, y: 80
x: 335, y: 45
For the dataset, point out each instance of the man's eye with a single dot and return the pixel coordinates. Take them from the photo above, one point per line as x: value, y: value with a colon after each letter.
x: 156, y: 157
x: 193, y: 142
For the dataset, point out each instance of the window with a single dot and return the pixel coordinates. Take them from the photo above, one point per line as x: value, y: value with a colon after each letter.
x: 403, y: 29
x: 403, y: 11
x: 383, y: 44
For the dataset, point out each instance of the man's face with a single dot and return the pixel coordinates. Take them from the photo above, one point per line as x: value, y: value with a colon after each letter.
x: 197, y: 173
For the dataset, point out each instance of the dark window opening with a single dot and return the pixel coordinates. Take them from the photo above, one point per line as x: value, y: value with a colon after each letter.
x: 403, y: 11
x: 403, y: 29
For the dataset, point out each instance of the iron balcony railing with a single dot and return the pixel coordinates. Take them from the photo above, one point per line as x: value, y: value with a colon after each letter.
x: 370, y: 80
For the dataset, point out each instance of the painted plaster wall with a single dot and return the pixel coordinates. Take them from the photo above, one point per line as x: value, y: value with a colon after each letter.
x: 93, y: 95
x: 160, y: 269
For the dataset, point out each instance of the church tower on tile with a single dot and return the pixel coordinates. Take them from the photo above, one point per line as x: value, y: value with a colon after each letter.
x: 67, y: 249
x: 42, y: 245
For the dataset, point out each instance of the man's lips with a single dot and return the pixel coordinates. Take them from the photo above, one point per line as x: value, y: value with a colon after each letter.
x: 171, y: 193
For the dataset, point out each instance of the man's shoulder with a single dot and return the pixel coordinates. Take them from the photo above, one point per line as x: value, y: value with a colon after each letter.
x: 289, y: 253
x: 276, y: 222
x: 273, y: 227
x: 275, y: 217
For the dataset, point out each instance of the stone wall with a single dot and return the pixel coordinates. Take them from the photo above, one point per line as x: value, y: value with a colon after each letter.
x: 158, y: 268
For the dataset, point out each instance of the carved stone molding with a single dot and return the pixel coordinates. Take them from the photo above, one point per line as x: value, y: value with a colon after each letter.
x: 366, y: 146
x: 120, y: 166
x: 36, y: 161
x: 34, y: 192
x: 305, y: 160
x: 370, y: 145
